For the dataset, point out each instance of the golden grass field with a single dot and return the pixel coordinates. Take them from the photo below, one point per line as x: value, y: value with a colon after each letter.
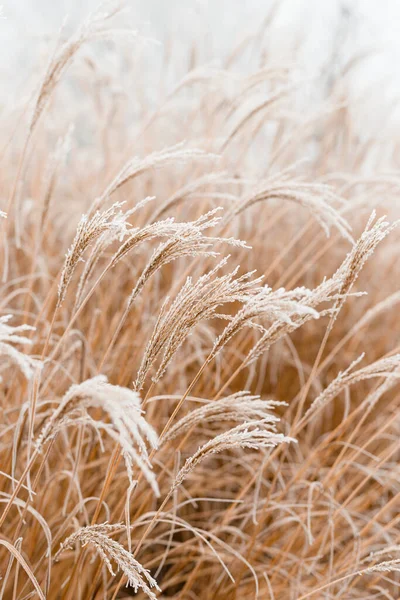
x: 199, y: 336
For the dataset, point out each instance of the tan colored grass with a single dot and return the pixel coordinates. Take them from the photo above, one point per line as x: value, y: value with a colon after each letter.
x: 199, y: 341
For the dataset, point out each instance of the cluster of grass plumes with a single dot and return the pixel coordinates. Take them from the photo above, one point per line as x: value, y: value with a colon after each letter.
x: 199, y: 352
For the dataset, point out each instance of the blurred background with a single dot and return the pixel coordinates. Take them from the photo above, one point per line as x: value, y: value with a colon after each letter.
x: 341, y: 27
x: 318, y: 38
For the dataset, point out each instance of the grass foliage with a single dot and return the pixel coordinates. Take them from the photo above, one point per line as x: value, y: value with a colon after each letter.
x: 199, y: 376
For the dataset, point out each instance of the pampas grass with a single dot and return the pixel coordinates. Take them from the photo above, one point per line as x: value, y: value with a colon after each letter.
x: 108, y: 549
x: 199, y: 350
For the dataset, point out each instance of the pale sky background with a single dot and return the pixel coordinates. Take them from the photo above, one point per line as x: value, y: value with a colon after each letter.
x: 215, y: 26
x: 371, y: 21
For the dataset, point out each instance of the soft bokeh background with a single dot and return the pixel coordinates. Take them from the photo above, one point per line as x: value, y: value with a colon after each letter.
x: 215, y: 25
x: 319, y: 37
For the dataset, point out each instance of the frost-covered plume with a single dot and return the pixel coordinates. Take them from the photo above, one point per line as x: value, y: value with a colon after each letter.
x: 194, y: 303
x: 255, y: 436
x: 102, y: 226
x: 188, y: 240
x: 384, y: 367
x: 239, y: 407
x: 317, y: 198
x: 346, y: 275
x: 111, y: 551
x: 332, y: 290
x: 119, y: 228
x: 127, y: 424
x: 175, y: 231
x: 10, y: 335
x: 183, y: 240
x: 280, y: 307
